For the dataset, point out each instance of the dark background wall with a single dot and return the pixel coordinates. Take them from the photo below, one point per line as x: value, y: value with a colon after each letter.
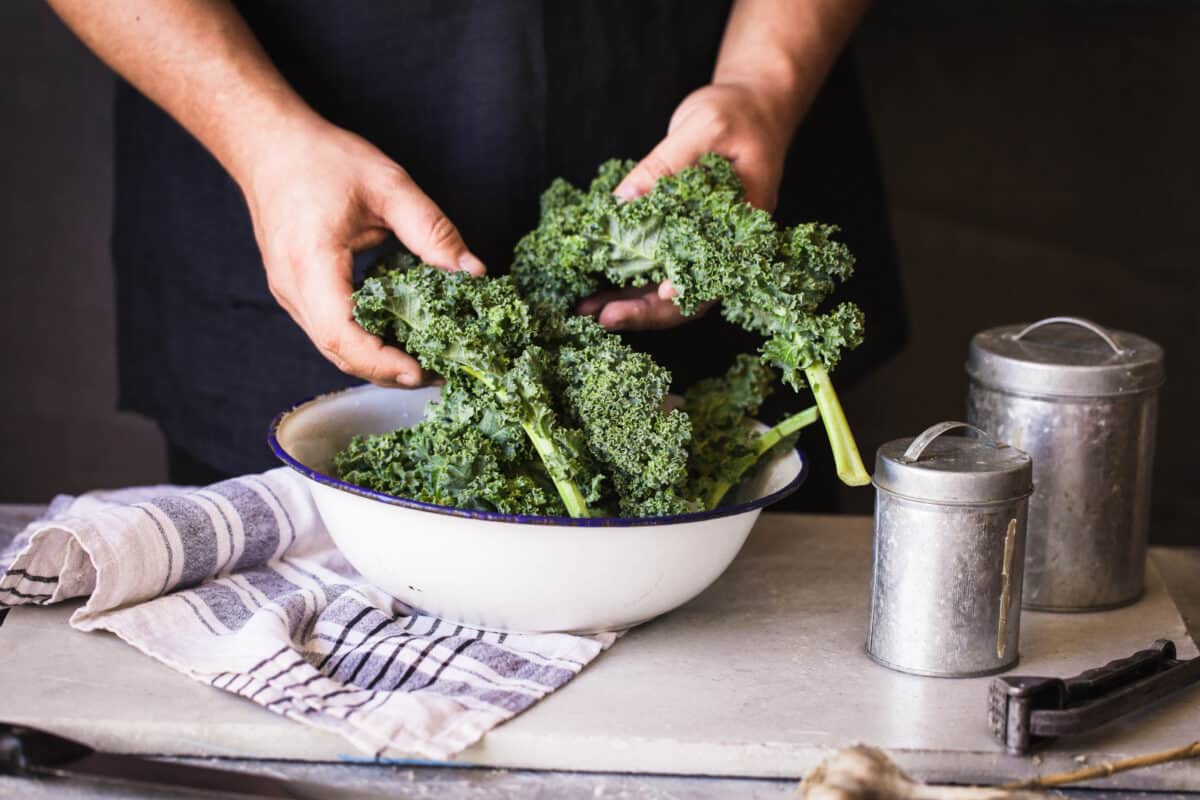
x: 58, y: 429
x: 1039, y: 160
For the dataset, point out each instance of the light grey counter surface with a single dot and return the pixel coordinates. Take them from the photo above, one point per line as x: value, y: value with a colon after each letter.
x: 754, y: 681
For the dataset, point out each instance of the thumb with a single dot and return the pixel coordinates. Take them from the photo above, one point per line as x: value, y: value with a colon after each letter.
x: 680, y: 149
x: 422, y: 227
x: 321, y: 302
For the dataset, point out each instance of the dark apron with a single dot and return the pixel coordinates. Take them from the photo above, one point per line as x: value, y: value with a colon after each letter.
x: 483, y: 103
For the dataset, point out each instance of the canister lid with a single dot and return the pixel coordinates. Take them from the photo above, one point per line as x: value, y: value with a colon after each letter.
x: 953, y: 469
x: 1064, y: 357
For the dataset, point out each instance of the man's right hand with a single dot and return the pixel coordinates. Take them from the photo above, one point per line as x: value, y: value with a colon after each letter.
x: 317, y: 196
x: 316, y: 192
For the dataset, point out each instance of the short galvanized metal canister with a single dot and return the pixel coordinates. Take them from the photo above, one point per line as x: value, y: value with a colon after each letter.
x: 949, y: 543
x: 1083, y: 401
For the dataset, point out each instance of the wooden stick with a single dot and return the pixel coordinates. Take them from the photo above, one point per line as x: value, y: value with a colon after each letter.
x: 1108, y: 768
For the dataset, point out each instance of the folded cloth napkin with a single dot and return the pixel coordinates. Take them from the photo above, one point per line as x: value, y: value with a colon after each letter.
x: 239, y: 586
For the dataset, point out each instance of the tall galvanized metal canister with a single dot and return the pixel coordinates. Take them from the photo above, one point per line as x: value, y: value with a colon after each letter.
x: 948, y: 548
x: 1083, y: 401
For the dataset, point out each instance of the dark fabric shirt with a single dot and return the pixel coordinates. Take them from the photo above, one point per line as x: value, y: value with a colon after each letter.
x: 483, y: 102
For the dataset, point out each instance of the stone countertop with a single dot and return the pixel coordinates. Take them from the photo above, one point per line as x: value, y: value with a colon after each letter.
x: 1177, y: 566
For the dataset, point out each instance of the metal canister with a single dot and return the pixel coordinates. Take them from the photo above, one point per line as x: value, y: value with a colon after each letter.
x: 949, y: 543
x: 1083, y: 401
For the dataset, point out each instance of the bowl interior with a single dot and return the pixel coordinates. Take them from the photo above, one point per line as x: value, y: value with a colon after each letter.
x: 308, y: 436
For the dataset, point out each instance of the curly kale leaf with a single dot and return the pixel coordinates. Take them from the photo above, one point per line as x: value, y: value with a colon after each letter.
x: 447, y: 320
x: 563, y: 398
x: 696, y: 230
x: 480, y: 329
x: 466, y: 403
x: 557, y: 263
x: 725, y: 445
x: 783, y: 304
x: 438, y: 462
x: 617, y: 397
x: 722, y: 437
x: 688, y: 230
x: 562, y: 448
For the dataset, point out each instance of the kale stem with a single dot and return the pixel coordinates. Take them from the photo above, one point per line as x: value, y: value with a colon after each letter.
x: 762, y: 445
x: 845, y: 450
x: 571, y: 496
x: 772, y: 437
x: 716, y: 495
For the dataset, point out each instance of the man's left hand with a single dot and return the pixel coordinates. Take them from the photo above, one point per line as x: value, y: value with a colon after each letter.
x: 731, y: 120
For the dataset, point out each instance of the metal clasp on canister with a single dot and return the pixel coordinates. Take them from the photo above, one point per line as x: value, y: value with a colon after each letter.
x: 1082, y: 400
x: 949, y: 542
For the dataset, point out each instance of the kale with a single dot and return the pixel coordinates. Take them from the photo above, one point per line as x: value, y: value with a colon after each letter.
x: 480, y: 331
x: 545, y: 412
x: 617, y: 397
x: 454, y: 466
x: 725, y: 446
x: 528, y: 396
x: 695, y: 230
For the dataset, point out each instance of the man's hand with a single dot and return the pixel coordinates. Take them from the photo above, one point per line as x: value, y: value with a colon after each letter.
x: 319, y: 195
x: 316, y: 193
x: 774, y: 56
x: 731, y: 120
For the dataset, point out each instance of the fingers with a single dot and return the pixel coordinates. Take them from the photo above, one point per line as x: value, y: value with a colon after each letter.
x: 590, y: 306
x: 638, y: 308
x: 421, y: 226
x: 672, y: 154
x: 641, y: 314
x: 632, y: 309
x: 325, y: 313
x: 716, y: 119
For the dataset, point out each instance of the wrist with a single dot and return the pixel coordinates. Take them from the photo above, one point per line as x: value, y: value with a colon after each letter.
x: 776, y: 87
x: 778, y: 103
x: 782, y: 50
x: 273, y: 131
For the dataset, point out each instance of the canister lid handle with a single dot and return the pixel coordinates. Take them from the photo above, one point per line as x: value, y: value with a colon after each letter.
x: 914, y: 451
x: 1077, y: 321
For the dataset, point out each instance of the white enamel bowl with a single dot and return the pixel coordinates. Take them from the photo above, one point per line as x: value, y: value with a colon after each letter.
x: 509, y: 572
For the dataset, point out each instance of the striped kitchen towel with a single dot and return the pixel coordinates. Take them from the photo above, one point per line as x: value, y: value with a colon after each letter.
x: 239, y: 585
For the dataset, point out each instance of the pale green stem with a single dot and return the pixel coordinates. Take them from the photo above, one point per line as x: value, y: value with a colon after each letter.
x: 571, y: 496
x: 762, y: 444
x: 567, y: 489
x: 772, y: 437
x: 845, y: 450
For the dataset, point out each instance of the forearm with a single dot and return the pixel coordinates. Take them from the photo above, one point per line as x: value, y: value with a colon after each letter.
x: 783, y: 49
x: 200, y: 62
x: 316, y: 193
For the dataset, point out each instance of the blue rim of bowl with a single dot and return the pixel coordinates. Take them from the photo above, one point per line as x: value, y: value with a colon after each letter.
x: 524, y: 519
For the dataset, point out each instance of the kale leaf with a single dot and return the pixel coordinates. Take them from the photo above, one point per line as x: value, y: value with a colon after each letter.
x: 545, y: 412
x: 695, y: 230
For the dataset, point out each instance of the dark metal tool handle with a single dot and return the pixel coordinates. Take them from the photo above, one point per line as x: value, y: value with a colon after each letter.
x: 29, y: 752
x: 1024, y: 711
x: 23, y: 749
x: 1122, y: 700
x: 1101, y: 681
